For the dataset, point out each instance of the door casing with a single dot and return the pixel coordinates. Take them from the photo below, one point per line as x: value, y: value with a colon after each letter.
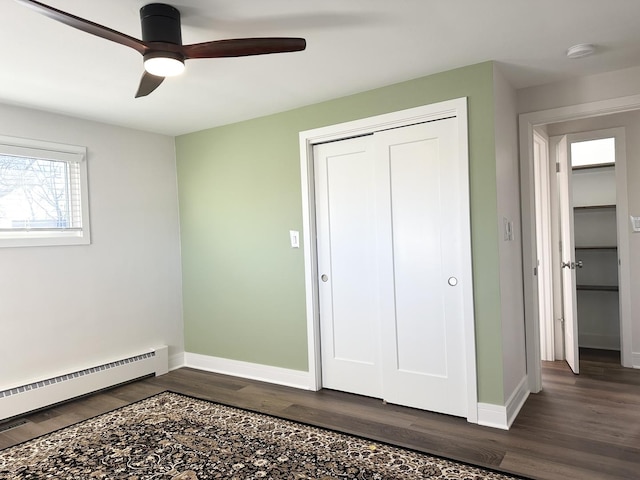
x: 544, y: 245
x: 618, y: 133
x: 527, y: 123
x: 451, y: 108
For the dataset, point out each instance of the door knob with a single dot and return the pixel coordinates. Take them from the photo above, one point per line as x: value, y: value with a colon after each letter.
x: 324, y: 278
x: 572, y: 265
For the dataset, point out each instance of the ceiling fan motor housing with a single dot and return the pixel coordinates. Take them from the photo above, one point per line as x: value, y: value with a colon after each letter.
x: 160, y: 23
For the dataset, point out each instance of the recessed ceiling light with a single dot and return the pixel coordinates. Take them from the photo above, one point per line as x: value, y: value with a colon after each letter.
x: 581, y: 50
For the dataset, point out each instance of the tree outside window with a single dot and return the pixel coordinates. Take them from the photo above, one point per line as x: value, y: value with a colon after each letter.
x: 35, y: 193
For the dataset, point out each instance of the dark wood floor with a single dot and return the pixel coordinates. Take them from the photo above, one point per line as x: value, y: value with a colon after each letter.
x: 580, y: 427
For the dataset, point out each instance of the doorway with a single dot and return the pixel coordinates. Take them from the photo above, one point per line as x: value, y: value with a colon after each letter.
x: 586, y: 265
x: 572, y: 121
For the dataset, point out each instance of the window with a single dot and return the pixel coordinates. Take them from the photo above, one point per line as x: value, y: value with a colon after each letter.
x: 43, y: 193
x: 592, y: 153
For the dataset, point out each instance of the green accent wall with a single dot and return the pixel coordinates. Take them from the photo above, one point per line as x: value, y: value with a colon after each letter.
x: 239, y: 192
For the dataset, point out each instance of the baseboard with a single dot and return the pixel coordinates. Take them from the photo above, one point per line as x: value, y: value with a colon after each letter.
x: 253, y: 371
x: 635, y: 360
x: 176, y: 361
x: 502, y: 417
x: 517, y: 399
x: 494, y: 416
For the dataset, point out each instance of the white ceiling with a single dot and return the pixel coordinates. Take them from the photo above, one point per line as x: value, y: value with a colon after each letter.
x: 352, y: 46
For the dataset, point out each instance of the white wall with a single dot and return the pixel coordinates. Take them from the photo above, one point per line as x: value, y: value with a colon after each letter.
x: 595, y: 186
x: 67, y: 307
x: 591, y: 88
x: 510, y: 251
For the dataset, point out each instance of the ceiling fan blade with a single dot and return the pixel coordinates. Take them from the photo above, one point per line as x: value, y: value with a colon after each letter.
x: 241, y: 47
x: 148, y: 83
x: 86, y: 25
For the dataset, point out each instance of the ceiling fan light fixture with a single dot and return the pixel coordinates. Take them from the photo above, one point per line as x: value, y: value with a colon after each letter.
x: 163, y: 65
x: 161, y: 46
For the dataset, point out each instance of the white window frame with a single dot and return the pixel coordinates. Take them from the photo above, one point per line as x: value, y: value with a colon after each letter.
x: 24, y: 147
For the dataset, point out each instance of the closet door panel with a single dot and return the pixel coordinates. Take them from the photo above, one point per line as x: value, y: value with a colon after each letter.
x: 348, y: 287
x: 391, y: 272
x: 423, y: 351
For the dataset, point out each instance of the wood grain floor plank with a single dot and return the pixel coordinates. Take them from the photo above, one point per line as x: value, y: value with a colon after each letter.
x: 580, y: 427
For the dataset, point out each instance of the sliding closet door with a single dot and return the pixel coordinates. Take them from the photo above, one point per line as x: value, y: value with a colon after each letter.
x: 419, y: 253
x: 347, y: 266
x: 388, y: 210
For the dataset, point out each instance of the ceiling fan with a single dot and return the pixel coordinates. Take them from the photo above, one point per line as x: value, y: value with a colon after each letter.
x: 161, y: 45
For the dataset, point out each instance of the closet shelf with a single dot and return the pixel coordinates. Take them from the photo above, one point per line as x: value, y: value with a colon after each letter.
x: 598, y: 288
x: 594, y: 207
x: 597, y: 166
x: 597, y: 248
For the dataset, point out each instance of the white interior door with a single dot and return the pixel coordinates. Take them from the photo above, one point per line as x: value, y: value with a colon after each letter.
x: 570, y: 312
x: 348, y: 284
x: 390, y: 264
x: 420, y: 245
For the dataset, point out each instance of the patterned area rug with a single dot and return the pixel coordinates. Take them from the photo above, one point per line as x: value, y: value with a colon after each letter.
x: 175, y: 437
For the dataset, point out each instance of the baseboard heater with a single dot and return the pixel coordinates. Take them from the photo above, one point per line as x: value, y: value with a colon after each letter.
x: 25, y: 398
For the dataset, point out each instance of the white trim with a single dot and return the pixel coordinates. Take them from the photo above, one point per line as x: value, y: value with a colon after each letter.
x: 40, y: 149
x: 176, y: 361
x: 583, y: 110
x: 497, y: 416
x: 624, y: 250
x: 71, y: 154
x: 516, y: 400
x: 635, y: 359
x: 543, y: 236
x: 437, y: 111
x: 494, y: 416
x: 529, y: 255
x: 527, y: 122
x: 253, y: 371
x: 310, y: 262
x: 401, y: 118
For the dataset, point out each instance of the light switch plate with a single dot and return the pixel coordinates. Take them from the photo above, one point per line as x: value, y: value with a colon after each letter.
x: 294, y: 236
x: 635, y: 223
x: 508, y: 229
